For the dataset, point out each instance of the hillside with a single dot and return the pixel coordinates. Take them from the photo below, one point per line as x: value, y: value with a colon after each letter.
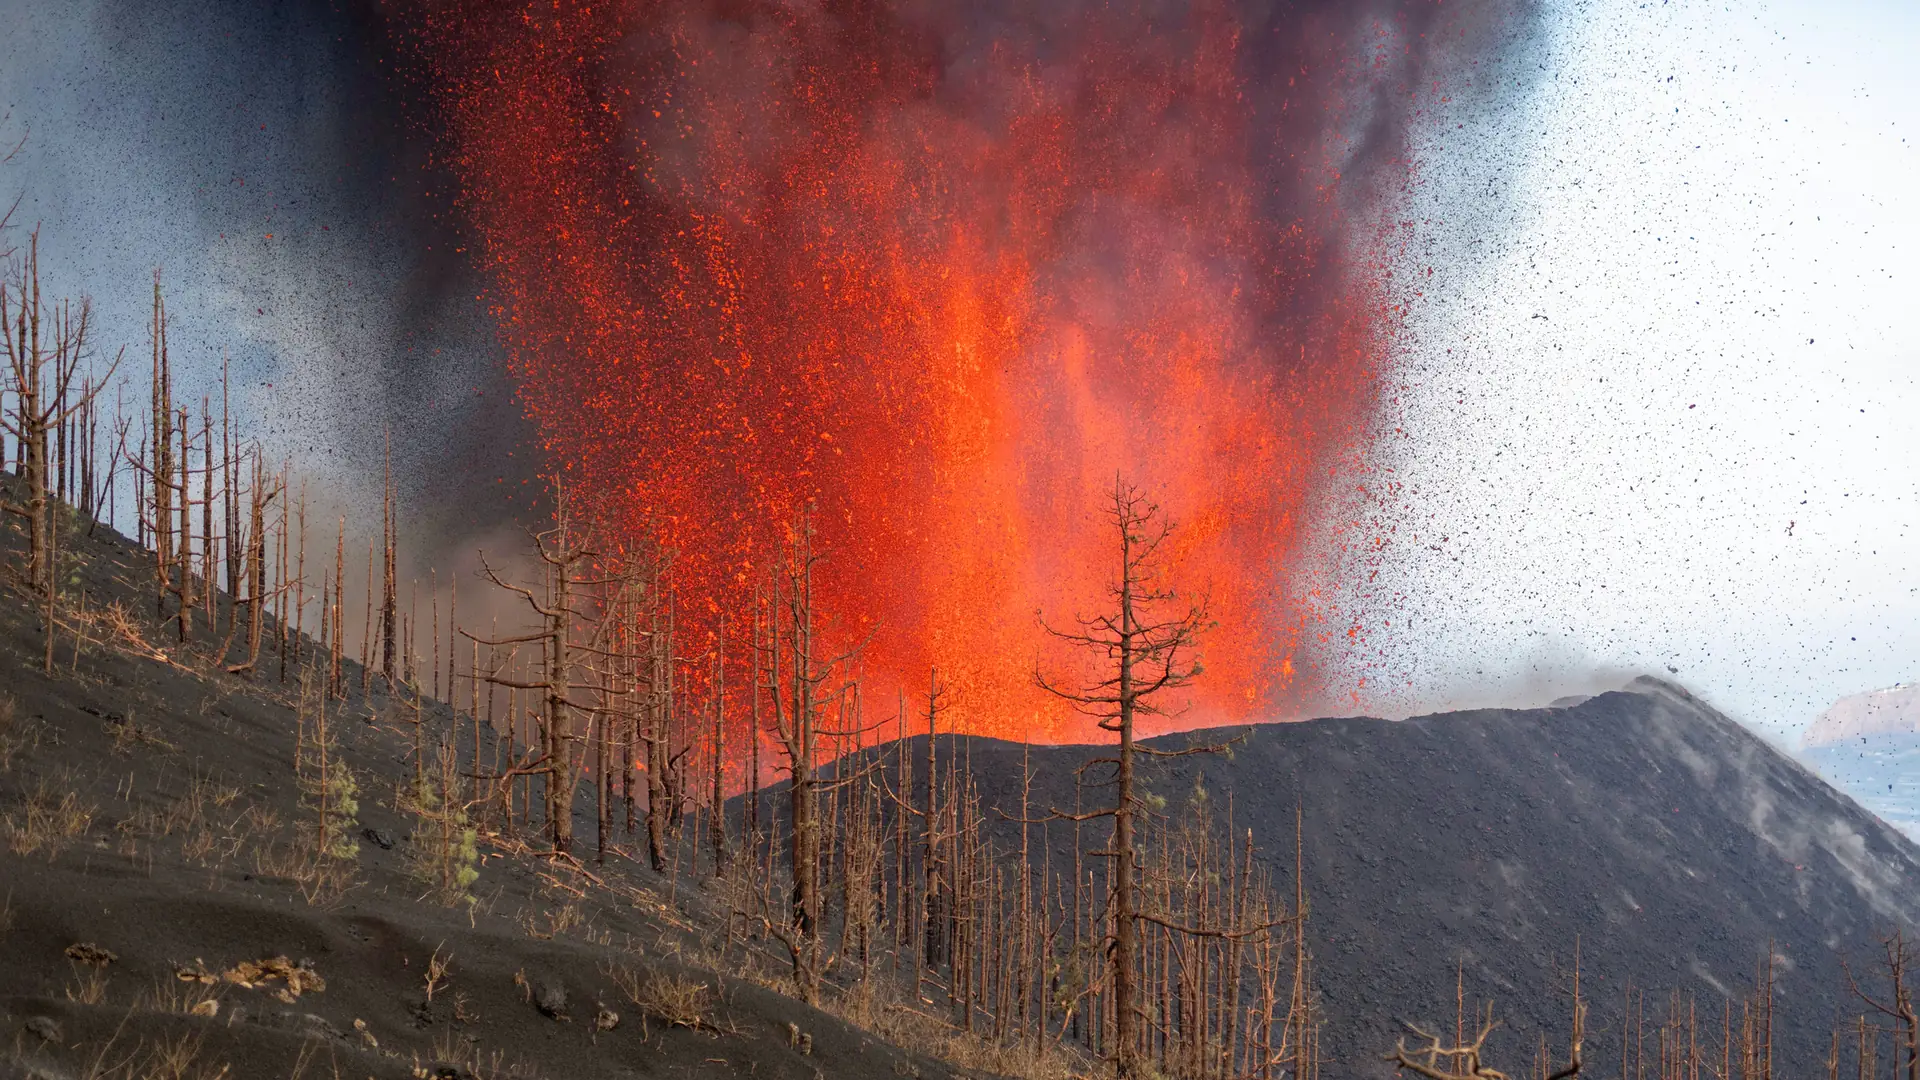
x: 1868, y: 745
x: 1667, y: 840
x: 150, y: 850
x: 1894, y: 710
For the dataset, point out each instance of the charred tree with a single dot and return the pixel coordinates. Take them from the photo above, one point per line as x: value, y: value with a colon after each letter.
x: 1144, y: 645
x: 803, y: 687
x: 1896, y: 1001
x: 36, y: 336
x: 563, y: 553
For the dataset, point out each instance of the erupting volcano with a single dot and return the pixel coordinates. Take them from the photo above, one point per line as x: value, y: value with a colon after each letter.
x: 942, y: 272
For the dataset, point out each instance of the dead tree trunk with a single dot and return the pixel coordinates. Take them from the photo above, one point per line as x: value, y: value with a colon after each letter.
x: 1897, y: 1004
x: 159, y: 469
x: 716, y: 798
x: 802, y: 683
x: 389, y: 589
x: 659, y: 719
x: 1147, y: 642
x: 562, y: 552
x: 41, y: 406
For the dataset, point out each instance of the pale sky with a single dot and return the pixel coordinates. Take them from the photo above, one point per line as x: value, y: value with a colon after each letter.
x: 153, y: 141
x: 1659, y: 396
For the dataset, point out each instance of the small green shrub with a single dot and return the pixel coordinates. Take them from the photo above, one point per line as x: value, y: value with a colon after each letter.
x: 330, y: 793
x: 445, y: 847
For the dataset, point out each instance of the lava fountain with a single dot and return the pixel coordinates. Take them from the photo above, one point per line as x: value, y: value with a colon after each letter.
x: 943, y: 271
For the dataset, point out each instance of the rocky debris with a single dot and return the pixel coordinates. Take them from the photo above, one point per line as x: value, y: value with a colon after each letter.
x: 196, y: 972
x: 86, y: 952
x: 551, y: 1000
x: 44, y: 1028
x: 296, y: 977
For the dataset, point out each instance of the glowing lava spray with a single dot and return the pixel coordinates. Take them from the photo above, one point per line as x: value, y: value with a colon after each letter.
x: 944, y: 270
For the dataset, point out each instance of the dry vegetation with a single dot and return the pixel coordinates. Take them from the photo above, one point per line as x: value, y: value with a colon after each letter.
x: 17, y: 734
x: 672, y: 997
x: 50, y: 820
x: 178, y: 1057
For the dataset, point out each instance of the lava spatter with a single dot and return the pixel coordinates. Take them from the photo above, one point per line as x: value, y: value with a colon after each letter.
x: 942, y: 272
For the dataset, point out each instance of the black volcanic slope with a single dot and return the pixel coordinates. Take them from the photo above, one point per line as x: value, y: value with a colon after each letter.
x: 1671, y: 842
x: 176, y: 796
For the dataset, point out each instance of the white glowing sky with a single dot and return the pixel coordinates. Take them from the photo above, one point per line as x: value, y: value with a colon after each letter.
x: 1660, y: 393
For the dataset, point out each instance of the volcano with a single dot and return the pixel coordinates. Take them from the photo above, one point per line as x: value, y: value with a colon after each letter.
x: 1667, y: 842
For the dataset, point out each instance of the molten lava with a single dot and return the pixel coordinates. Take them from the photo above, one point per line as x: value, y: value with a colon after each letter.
x: 943, y: 270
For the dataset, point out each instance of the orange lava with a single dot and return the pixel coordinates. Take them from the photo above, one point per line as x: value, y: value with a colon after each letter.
x: 945, y: 277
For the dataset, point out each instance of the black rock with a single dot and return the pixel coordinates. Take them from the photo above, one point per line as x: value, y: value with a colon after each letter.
x: 46, y: 1028
x: 380, y: 838
x: 552, y: 1001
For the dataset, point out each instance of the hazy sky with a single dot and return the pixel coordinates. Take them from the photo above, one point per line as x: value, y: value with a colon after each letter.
x: 1659, y: 408
x: 254, y: 153
x: 1657, y: 405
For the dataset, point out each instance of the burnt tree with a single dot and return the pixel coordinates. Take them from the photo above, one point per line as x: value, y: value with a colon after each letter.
x: 36, y: 336
x: 563, y: 553
x: 1896, y: 1003
x: 1143, y: 646
x: 803, y: 684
